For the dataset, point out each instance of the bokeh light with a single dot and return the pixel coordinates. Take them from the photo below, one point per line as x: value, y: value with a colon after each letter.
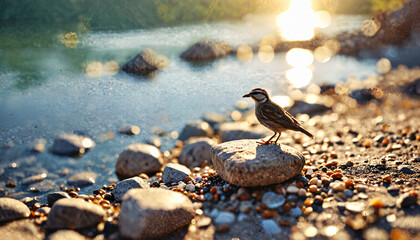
x: 333, y: 45
x: 266, y: 54
x: 244, y: 53
x: 94, y: 69
x: 370, y: 27
x: 299, y: 77
x: 383, y: 66
x: 111, y: 68
x: 298, y: 57
x: 70, y: 40
x: 283, y: 101
x: 322, y: 19
x: 323, y: 54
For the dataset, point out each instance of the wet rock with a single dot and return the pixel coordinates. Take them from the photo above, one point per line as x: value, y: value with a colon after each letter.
x: 124, y: 186
x: 308, y: 108
x: 38, y: 146
x: 273, y: 200
x: 82, y: 179
x: 247, y: 163
x: 154, y: 212
x: 196, y: 152
x: 65, y: 235
x: 22, y: 229
x: 129, y: 130
x: 225, y: 218
x: 45, y: 186
x: 406, y: 200
x: 72, y: 144
x: 214, y: 118
x: 155, y: 141
x: 139, y: 158
x: 34, y: 178
x: 174, y: 172
x: 145, y: 63
x: 363, y: 96
x: 12, y: 209
x: 53, y: 197
x: 271, y: 227
x: 74, y: 213
x: 206, y: 50
x: 355, y: 207
x: 196, y: 128
x: 241, y: 130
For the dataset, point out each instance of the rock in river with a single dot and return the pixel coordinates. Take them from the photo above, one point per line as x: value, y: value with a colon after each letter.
x: 72, y: 144
x: 206, y: 50
x: 174, y: 172
x: 196, y: 152
x: 146, y: 62
x: 196, y: 128
x: 124, y: 186
x: 247, y: 163
x: 82, y: 179
x: 154, y: 212
x: 12, y: 209
x: 139, y: 158
x: 74, y: 213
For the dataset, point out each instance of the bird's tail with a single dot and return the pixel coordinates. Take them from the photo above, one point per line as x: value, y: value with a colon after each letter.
x: 306, y: 132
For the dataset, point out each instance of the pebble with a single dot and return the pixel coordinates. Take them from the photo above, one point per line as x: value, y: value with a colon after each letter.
x: 292, y: 189
x: 38, y: 146
x: 197, y: 128
x: 20, y: 230
x: 190, y: 187
x: 405, y: 169
x: 124, y: 186
x: 53, y: 197
x: 82, y: 179
x: 296, y: 211
x: 355, y: 207
x: 356, y: 222
x: 65, y: 235
x: 174, y: 172
x: 196, y: 152
x: 406, y: 200
x: 139, y: 158
x: 247, y: 163
x: 225, y: 218
x: 338, y: 186
x: 12, y: 209
x: 72, y: 144
x: 34, y: 179
x: 271, y: 227
x: 361, y: 187
x: 129, y: 129
x: 273, y: 200
x: 74, y: 213
x: 154, y: 212
x: 155, y: 141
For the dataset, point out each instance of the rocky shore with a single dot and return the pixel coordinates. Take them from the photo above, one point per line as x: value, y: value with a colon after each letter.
x: 358, y: 179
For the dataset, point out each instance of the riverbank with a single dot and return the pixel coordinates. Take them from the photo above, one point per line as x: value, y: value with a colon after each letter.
x: 360, y: 179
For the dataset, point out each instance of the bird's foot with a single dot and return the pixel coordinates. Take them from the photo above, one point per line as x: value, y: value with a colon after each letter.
x: 263, y: 142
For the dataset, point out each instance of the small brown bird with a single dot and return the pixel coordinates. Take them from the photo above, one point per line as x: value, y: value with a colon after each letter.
x: 272, y: 116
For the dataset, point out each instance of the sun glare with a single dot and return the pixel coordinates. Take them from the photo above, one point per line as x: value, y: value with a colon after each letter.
x: 298, y: 23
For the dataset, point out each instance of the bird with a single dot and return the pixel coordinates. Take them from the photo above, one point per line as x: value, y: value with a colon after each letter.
x: 273, y: 116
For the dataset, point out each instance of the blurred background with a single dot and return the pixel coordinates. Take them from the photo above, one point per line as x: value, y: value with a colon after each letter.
x: 60, y: 67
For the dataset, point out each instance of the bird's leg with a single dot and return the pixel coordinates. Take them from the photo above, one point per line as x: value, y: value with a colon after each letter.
x: 267, y: 142
x: 275, y: 142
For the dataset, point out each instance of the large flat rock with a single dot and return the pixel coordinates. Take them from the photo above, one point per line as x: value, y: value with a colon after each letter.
x: 247, y: 163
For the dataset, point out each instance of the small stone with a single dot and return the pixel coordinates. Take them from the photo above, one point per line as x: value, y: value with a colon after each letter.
x: 361, y: 187
x: 247, y: 163
x: 53, y: 197
x: 338, y: 186
x: 190, y: 187
x: 20, y: 229
x: 129, y: 129
x: 155, y: 141
x: 406, y: 200
x: 273, y: 200
x: 72, y: 144
x: 65, y: 234
x: 154, y: 212
x: 74, y: 213
x: 82, y: 179
x: 292, y: 189
x: 12, y: 209
x: 355, y: 207
x: 146, y: 62
x: 356, y: 222
x: 196, y: 152
x: 124, y: 186
x: 296, y: 211
x: 38, y: 146
x: 174, y: 172
x: 271, y: 227
x: 139, y: 158
x: 405, y: 169
x: 34, y: 179
x: 196, y: 128
x: 387, y: 178
x: 225, y: 218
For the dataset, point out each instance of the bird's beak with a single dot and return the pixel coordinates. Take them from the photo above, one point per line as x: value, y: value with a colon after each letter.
x: 247, y: 95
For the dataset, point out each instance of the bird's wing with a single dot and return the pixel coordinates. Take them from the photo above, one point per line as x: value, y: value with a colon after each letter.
x: 280, y: 116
